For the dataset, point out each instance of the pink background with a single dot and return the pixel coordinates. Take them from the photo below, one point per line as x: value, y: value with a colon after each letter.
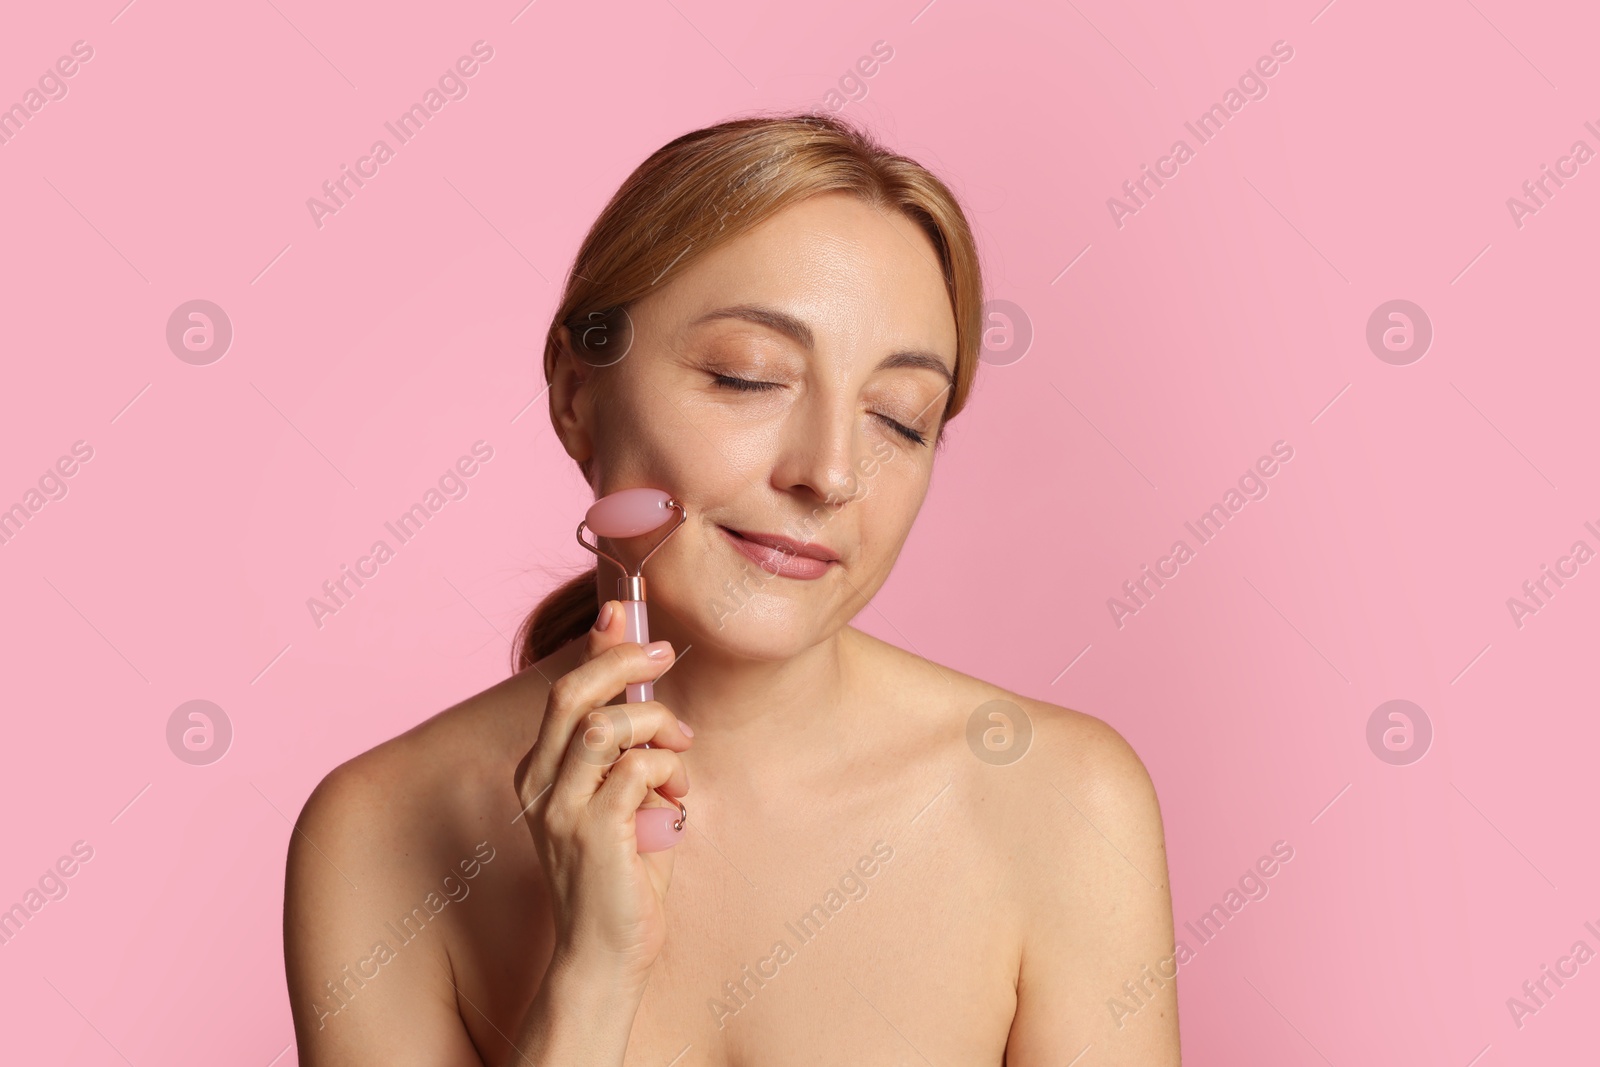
x: 1225, y: 315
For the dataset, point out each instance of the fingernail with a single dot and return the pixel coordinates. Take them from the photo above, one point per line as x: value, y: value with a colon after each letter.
x: 604, y: 620
x: 658, y: 649
x: 688, y: 731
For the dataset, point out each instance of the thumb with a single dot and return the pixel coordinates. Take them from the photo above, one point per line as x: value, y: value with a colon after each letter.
x: 608, y: 631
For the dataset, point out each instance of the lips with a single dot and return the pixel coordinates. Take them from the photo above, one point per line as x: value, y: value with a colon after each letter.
x: 809, y: 549
x: 782, y: 556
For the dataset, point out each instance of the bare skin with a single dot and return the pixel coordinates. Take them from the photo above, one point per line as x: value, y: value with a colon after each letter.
x: 859, y: 881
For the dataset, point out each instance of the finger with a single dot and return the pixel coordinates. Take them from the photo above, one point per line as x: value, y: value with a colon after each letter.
x: 604, y: 635
x: 604, y: 733
x: 555, y: 726
x: 607, y: 666
x: 537, y: 770
x: 634, y: 778
x: 576, y: 696
x: 602, y: 736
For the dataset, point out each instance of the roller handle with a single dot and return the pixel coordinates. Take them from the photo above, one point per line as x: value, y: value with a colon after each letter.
x: 652, y: 826
x: 636, y: 627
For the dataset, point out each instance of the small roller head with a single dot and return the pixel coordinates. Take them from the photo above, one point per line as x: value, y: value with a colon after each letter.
x: 657, y: 829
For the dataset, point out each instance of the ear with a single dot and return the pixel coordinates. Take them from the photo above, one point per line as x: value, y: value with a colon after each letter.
x: 571, y: 390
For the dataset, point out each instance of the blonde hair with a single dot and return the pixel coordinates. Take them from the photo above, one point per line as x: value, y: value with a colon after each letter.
x: 707, y: 187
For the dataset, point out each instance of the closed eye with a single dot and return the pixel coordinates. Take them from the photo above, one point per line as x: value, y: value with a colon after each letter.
x: 744, y: 385
x: 747, y: 385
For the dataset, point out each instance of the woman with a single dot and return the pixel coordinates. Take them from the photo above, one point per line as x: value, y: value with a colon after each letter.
x: 773, y: 320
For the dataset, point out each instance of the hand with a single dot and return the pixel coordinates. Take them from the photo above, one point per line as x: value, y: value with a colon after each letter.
x: 607, y: 898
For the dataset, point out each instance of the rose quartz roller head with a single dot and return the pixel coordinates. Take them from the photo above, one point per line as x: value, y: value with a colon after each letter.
x: 623, y: 514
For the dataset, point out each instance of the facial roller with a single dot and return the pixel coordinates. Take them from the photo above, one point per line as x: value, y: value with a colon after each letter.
x: 629, y: 513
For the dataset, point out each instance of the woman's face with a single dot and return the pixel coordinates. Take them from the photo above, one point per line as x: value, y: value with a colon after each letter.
x: 841, y: 311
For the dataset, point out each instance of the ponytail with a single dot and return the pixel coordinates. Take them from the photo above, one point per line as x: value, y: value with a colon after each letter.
x: 566, y: 613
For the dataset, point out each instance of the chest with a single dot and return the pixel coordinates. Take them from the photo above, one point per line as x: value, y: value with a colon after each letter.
x: 866, y: 942
x: 800, y: 934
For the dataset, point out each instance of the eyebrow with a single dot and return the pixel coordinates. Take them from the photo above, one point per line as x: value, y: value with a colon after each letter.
x: 801, y: 334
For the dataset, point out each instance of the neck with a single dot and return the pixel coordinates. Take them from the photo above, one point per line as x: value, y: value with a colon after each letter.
x: 761, y: 701
x: 761, y: 715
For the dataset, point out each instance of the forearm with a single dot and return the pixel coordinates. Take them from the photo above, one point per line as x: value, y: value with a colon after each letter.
x: 577, y: 1019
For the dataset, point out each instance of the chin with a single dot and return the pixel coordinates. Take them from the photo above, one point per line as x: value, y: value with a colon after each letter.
x: 774, y: 642
x: 757, y: 625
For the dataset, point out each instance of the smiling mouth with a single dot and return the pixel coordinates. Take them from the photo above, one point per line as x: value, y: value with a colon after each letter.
x: 782, y: 556
x: 787, y: 545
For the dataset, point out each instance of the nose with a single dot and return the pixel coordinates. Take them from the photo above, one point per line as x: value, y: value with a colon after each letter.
x: 818, y: 450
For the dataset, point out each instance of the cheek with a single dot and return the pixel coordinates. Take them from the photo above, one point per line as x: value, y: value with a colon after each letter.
x: 646, y: 435
x: 709, y: 451
x: 887, y: 505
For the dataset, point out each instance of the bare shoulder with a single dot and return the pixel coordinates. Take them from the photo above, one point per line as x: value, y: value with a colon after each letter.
x: 1037, y: 754
x: 422, y: 790
x: 1076, y: 746
x: 1090, y: 752
x: 1064, y: 806
x: 380, y: 847
x: 416, y: 784
x: 1097, y: 780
